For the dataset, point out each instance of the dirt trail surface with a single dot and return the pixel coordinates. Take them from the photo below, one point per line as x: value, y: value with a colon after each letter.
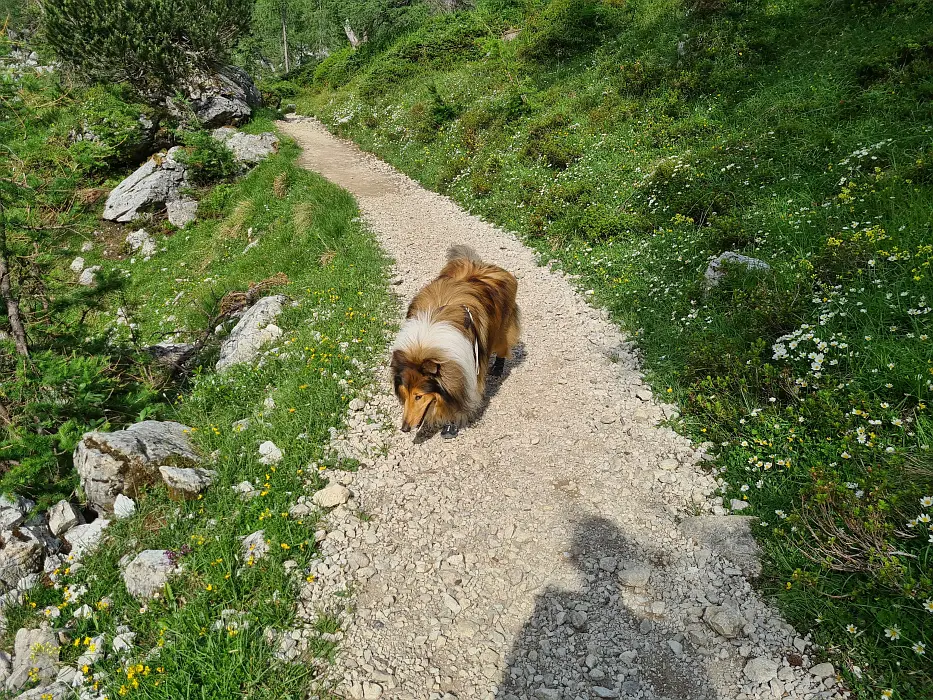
x: 565, y: 545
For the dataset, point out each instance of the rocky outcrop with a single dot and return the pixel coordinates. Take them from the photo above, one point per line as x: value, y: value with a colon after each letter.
x: 155, y: 183
x: 228, y: 96
x: 247, y: 148
x: 85, y: 538
x: 122, y: 461
x: 252, y: 331
x: 21, y: 553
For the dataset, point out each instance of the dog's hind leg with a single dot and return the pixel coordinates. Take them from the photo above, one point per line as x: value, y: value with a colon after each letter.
x: 449, y: 431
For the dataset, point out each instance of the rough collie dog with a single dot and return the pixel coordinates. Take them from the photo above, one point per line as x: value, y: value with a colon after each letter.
x: 441, y: 355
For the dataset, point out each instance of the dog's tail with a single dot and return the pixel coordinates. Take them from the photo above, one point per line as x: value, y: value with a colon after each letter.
x: 463, y: 252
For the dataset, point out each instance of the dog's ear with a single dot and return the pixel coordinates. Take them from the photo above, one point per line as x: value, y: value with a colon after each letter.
x: 398, y: 359
x: 430, y: 367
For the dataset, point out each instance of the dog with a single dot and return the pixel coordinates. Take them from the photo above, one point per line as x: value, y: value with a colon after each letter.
x: 441, y: 355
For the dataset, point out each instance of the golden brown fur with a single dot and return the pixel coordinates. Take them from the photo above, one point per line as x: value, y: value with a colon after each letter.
x: 453, y: 326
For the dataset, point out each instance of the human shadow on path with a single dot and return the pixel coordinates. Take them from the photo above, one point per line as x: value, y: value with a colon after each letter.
x: 586, y: 644
x: 493, y: 384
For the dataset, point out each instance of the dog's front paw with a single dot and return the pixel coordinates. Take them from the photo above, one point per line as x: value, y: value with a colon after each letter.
x: 498, y: 366
x: 449, y: 431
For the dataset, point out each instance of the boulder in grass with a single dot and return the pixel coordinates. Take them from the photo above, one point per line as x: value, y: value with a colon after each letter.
x: 154, y: 183
x: 247, y: 148
x: 227, y: 96
x: 35, y: 657
x: 716, y: 270
x: 21, y: 554
x: 125, y: 460
x: 145, y: 577
x: 185, y: 483
x: 62, y: 517
x: 252, y: 331
x: 182, y: 212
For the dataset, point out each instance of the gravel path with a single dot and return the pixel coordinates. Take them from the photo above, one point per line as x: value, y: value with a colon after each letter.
x: 565, y: 545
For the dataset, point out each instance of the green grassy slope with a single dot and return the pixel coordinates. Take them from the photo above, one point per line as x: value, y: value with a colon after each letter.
x: 186, y: 645
x: 635, y: 143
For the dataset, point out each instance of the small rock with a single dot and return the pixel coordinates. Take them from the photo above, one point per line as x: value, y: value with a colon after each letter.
x: 141, y: 242
x: 85, y: 538
x: 578, y: 619
x: 269, y: 453
x: 251, y: 332
x: 186, y: 483
x: 123, y: 507
x: 451, y: 603
x: 240, y: 425
x: 761, y: 670
x: 331, y: 496
x: 181, y: 212
x: 675, y: 646
x: 634, y: 575
x: 88, y: 276
x: 601, y: 692
x: 246, y: 491
x: 87, y: 247
x: 644, y: 394
x: 824, y: 670
x: 147, y: 574
x: 607, y: 418
x: 737, y: 505
x: 357, y: 405
x: 371, y: 691
x: 716, y: 271
x: 254, y: 546
x: 83, y: 612
x: 547, y: 694
x: 62, y: 517
x: 123, y: 642
x: 669, y: 464
x: 608, y: 564
x: 77, y: 265
x: 725, y: 620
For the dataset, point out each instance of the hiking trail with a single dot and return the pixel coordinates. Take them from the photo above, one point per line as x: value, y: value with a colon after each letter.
x: 563, y: 546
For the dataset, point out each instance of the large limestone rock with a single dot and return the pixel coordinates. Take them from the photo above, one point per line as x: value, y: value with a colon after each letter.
x: 145, y: 577
x: 729, y: 537
x: 247, y: 148
x: 228, y: 96
x: 254, y: 330
x: 122, y: 461
x: 35, y: 656
x: 21, y: 553
x: 155, y: 183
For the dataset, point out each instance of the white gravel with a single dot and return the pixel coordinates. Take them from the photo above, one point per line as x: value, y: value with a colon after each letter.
x: 540, y: 554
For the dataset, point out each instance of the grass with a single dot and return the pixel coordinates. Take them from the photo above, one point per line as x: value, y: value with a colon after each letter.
x: 188, y: 644
x: 778, y: 129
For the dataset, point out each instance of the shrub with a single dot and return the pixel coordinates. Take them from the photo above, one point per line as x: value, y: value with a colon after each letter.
x: 551, y: 140
x: 111, y: 128
x: 208, y: 159
x: 152, y: 45
x: 275, y: 92
x: 562, y: 29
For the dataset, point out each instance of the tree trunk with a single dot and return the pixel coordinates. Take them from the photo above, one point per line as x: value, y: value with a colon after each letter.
x: 12, y: 303
x: 285, y: 39
x: 351, y: 35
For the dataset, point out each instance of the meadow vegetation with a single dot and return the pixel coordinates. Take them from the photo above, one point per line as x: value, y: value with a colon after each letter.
x: 631, y: 142
x: 87, y: 368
